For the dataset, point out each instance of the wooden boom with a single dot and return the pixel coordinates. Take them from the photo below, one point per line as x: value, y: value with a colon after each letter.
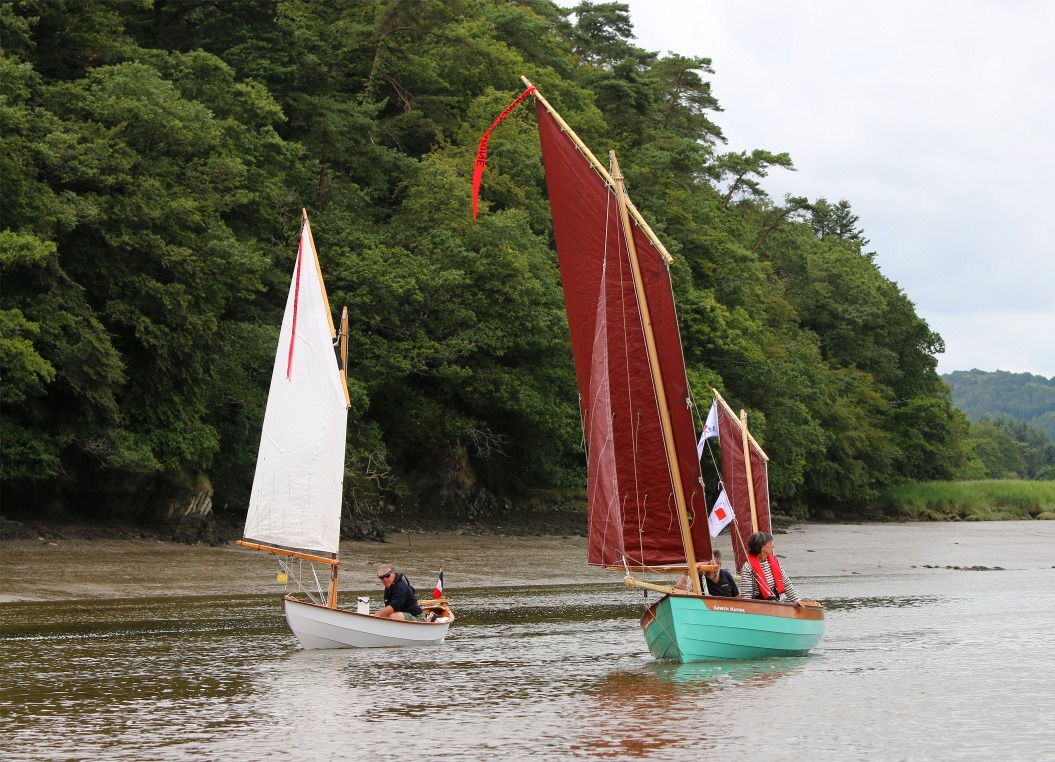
x: 283, y: 552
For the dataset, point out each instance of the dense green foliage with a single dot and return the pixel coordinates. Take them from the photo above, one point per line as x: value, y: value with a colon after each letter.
x: 156, y: 156
x: 1012, y: 433
x: 1011, y: 449
x: 1022, y: 396
x: 969, y: 501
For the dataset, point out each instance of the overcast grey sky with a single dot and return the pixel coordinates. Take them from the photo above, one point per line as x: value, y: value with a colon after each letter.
x: 934, y: 119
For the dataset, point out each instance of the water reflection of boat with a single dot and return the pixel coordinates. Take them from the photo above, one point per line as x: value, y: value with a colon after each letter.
x: 647, y: 511
x: 629, y: 701
x: 660, y: 680
x: 754, y: 673
x: 295, y: 505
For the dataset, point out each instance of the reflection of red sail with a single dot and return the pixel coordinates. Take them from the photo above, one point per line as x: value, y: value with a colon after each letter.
x: 632, y: 509
x: 734, y: 476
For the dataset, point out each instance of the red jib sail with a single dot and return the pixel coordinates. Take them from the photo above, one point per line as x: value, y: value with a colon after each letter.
x: 734, y: 476
x: 632, y: 510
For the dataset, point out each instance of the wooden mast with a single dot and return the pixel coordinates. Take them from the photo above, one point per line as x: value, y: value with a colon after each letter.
x: 747, y: 467
x: 657, y: 380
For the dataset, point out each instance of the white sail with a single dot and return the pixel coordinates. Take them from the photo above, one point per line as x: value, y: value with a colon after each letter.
x: 296, y: 498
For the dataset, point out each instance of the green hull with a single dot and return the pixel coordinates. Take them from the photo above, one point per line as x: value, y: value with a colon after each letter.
x: 691, y: 628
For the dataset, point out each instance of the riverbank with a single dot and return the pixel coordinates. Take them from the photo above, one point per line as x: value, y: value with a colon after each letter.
x: 989, y: 500
x: 1005, y: 500
x: 223, y: 528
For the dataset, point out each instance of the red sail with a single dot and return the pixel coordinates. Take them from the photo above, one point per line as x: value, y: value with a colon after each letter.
x: 632, y: 510
x: 734, y: 476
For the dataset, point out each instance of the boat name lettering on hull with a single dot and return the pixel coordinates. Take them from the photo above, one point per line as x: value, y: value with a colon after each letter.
x: 728, y: 608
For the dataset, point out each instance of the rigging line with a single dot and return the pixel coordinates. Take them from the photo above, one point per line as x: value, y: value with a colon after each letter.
x: 738, y: 537
x: 318, y: 584
x: 609, y: 434
x: 642, y: 318
x: 582, y: 424
x: 697, y: 418
x: 641, y: 503
x: 642, y: 513
x: 714, y: 461
x: 624, y: 253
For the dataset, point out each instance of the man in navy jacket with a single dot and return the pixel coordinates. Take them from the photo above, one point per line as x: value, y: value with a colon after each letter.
x: 401, y: 600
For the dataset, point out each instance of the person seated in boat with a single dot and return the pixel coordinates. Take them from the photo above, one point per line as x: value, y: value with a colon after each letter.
x: 715, y: 582
x: 719, y: 581
x: 401, y: 599
x: 761, y: 575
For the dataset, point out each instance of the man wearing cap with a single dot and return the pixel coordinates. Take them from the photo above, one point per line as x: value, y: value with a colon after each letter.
x: 401, y: 600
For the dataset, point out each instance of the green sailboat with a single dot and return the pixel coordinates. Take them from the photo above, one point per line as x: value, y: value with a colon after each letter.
x: 647, y: 508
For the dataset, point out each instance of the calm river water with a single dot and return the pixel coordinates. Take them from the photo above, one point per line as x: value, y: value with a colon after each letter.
x: 148, y: 651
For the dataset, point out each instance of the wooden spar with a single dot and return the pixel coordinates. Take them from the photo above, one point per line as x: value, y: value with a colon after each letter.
x: 747, y: 467
x: 657, y: 380
x: 326, y: 301
x: 331, y: 599
x: 295, y: 553
x: 601, y: 170
x: 344, y: 354
x: 665, y: 569
x: 728, y: 409
x: 667, y: 589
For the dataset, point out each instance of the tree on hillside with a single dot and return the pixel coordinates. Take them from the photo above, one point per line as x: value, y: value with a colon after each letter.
x: 1023, y: 396
x: 1014, y: 448
x: 743, y: 171
x: 836, y: 220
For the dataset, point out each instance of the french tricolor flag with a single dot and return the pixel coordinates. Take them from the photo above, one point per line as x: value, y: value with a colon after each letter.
x: 437, y: 592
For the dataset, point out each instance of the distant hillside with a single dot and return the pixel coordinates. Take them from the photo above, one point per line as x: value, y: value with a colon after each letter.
x: 1022, y: 396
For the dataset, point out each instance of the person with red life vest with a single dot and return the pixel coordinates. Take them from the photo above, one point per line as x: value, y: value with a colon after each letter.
x: 761, y: 575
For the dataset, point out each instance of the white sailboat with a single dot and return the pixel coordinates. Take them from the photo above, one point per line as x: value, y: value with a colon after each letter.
x: 295, y: 506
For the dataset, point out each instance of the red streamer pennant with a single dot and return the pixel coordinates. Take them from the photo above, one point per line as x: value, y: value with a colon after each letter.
x: 481, y: 151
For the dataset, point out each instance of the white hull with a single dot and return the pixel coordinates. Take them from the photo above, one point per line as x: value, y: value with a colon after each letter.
x: 320, y: 627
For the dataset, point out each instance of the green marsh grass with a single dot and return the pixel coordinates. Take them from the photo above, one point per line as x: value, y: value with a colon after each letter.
x: 998, y: 500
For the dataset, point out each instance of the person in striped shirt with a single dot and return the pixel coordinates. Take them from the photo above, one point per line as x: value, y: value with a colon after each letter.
x: 761, y: 575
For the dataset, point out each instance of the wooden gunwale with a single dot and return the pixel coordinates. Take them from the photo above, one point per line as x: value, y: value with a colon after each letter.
x: 351, y: 612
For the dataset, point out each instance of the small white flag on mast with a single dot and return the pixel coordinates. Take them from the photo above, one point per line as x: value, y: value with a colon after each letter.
x: 710, y: 428
x: 721, y: 514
